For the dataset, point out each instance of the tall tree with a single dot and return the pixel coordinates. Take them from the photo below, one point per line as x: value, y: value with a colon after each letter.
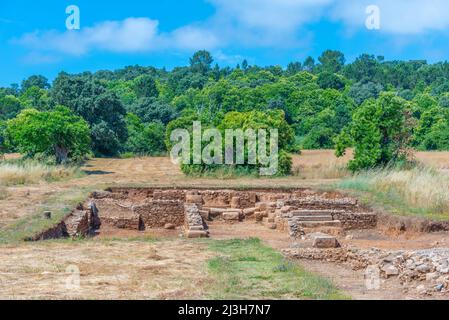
x: 332, y: 61
x: 101, y: 108
x: 59, y: 133
x: 379, y: 132
x: 201, y: 61
x: 35, y: 81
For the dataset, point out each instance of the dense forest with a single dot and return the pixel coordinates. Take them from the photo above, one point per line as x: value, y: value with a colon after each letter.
x: 326, y: 103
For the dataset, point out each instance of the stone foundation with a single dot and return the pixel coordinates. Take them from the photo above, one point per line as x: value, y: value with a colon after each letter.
x: 296, y: 211
x: 158, y: 213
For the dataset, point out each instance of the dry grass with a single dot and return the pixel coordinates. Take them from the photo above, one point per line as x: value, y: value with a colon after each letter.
x: 154, y: 269
x: 421, y: 189
x: 3, y: 193
x: 320, y: 164
x: 108, y: 270
x: 33, y: 172
x: 437, y: 160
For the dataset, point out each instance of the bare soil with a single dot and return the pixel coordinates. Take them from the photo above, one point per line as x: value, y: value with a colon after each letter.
x: 170, y: 269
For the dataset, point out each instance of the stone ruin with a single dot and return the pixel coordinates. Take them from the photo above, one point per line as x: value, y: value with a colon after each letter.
x: 298, y: 212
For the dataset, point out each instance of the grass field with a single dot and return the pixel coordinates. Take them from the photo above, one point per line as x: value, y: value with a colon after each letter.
x: 32, y: 172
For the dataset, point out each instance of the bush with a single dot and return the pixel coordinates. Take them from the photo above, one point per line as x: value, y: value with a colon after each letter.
x: 272, y: 119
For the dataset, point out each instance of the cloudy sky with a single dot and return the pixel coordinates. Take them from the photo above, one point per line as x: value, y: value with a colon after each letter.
x: 34, y: 38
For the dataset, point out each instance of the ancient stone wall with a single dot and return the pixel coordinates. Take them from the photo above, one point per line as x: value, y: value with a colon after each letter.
x: 158, y: 213
x: 195, y: 226
x: 356, y: 220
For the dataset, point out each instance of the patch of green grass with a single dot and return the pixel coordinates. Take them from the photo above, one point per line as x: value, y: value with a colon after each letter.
x: 60, y: 205
x: 247, y: 269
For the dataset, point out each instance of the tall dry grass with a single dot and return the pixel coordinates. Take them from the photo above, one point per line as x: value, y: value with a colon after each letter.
x: 21, y: 173
x: 320, y: 164
x: 419, y: 188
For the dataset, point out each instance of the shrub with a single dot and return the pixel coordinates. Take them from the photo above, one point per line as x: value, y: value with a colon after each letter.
x: 272, y: 119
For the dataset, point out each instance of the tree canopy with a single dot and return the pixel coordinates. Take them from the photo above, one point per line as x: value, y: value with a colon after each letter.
x: 59, y: 133
x: 320, y: 99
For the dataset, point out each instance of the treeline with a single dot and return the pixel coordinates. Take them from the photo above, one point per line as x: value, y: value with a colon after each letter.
x: 127, y: 111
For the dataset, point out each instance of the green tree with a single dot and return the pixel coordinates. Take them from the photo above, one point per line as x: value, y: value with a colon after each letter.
x: 35, y: 97
x: 366, y: 68
x: 360, y: 92
x: 432, y: 130
x: 59, y: 133
x: 309, y: 64
x: 35, y: 81
x: 327, y: 80
x: 145, y: 87
x: 153, y: 110
x: 9, y: 107
x: 102, y: 109
x: 378, y: 132
x: 144, y: 139
x: 293, y: 68
x: 201, y: 61
x: 331, y: 61
x: 3, y: 146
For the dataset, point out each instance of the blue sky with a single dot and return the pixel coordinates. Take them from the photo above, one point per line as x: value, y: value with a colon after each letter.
x: 34, y: 38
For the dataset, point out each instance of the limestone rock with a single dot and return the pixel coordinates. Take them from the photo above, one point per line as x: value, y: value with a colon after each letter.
x: 169, y: 226
x: 390, y: 270
x: 195, y: 234
x: 323, y: 241
x: 231, y: 216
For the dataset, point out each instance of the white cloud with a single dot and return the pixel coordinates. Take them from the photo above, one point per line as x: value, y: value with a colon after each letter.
x: 402, y: 17
x: 247, y: 23
x: 279, y: 15
x: 131, y: 35
x: 192, y: 38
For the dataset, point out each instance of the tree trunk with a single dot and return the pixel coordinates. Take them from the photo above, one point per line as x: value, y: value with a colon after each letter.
x: 62, y: 154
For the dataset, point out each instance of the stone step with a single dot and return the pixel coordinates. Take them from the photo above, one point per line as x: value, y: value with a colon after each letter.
x: 319, y: 224
x: 313, y: 218
x: 314, y: 212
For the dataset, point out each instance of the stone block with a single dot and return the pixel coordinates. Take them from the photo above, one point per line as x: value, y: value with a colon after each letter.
x: 235, y: 202
x: 249, y: 211
x: 196, y: 234
x: 231, y: 216
x: 323, y: 241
